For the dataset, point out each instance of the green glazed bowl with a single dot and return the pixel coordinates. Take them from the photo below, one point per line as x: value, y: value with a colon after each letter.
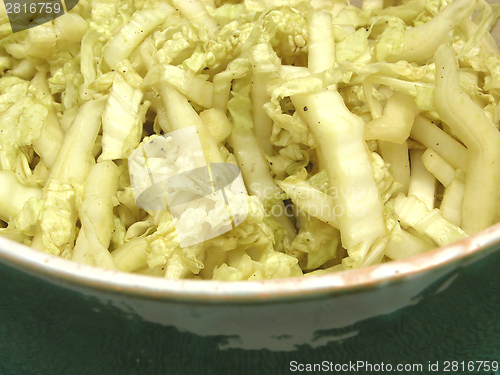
x: 58, y: 317
x: 435, y: 313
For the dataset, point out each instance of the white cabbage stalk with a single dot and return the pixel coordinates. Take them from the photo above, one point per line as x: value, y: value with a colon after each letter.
x: 133, y: 33
x: 255, y: 171
x: 266, y: 65
x: 425, y: 132
x: 195, y: 11
x: 451, y: 205
x: 339, y: 133
x: 321, y: 42
x: 50, y: 140
x: 403, y: 244
x: 195, y: 87
x: 422, y: 182
x: 435, y: 164
x: 180, y: 114
x: 421, y: 42
x: 56, y: 230
x: 97, y: 216
x: 396, y: 121
x: 482, y: 139
x: 313, y: 201
x: 71, y: 26
x: 396, y: 155
x: 217, y: 124
x: 414, y: 213
x: 121, y: 120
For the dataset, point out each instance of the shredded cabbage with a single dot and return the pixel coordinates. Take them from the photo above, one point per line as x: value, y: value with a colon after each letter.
x: 363, y: 135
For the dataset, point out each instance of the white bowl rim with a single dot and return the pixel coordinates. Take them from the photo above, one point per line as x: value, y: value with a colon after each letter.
x: 62, y: 271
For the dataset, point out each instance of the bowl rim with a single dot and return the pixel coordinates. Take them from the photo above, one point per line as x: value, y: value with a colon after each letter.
x: 72, y: 274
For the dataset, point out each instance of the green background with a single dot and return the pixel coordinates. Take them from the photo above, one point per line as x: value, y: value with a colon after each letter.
x: 46, y: 329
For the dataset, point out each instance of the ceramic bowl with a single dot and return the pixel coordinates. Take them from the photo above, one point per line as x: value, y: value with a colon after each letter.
x: 60, y: 317
x: 435, y: 313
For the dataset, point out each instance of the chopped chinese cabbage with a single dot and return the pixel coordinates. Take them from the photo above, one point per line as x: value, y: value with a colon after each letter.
x: 361, y: 135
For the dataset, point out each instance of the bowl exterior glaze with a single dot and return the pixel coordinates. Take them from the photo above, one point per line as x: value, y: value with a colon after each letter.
x: 55, y: 326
